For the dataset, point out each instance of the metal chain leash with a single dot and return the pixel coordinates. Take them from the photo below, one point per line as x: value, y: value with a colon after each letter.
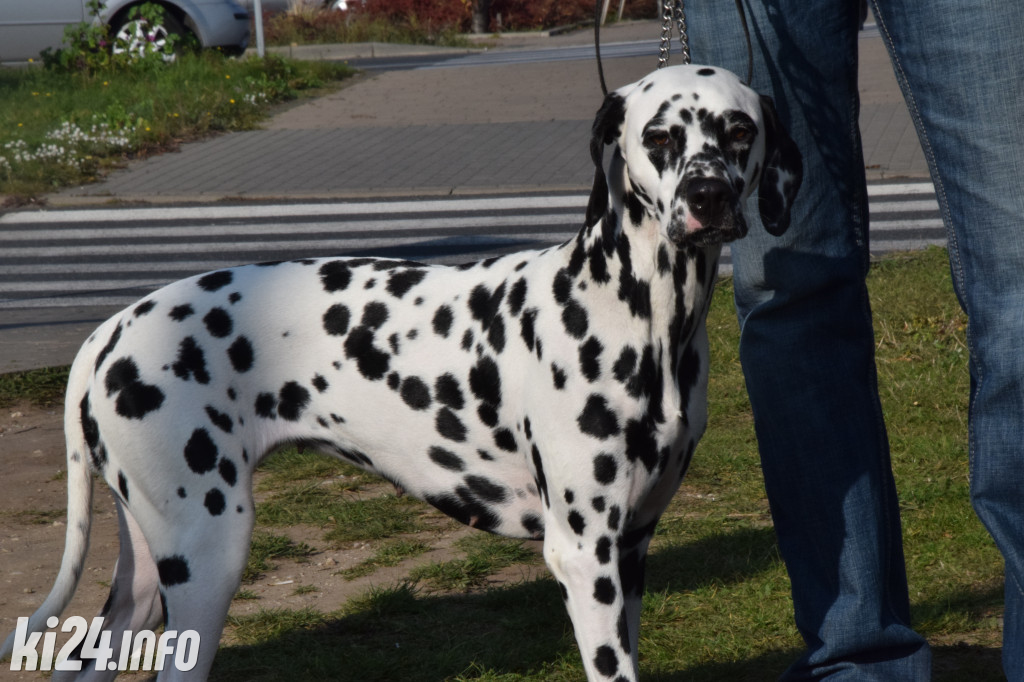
x: 672, y: 10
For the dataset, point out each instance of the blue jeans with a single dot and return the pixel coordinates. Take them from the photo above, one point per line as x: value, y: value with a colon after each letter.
x: 806, y: 343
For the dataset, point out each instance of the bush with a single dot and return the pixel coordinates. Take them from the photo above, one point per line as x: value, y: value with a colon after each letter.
x: 434, y: 22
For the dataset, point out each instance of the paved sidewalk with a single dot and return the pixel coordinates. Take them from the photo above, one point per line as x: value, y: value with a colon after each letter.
x: 452, y: 130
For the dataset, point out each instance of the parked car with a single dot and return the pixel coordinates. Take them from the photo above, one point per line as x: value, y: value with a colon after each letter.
x: 27, y: 27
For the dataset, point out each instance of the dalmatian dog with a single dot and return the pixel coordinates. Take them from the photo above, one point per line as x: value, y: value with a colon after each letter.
x: 555, y: 394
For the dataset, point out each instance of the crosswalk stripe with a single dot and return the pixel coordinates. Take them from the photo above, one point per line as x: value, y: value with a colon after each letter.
x: 87, y: 257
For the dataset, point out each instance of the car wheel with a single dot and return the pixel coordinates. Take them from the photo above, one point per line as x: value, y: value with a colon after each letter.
x: 137, y: 37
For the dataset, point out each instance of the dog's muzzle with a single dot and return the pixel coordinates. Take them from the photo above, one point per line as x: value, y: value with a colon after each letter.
x: 712, y: 214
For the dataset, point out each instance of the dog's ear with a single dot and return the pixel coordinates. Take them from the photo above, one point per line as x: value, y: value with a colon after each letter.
x: 783, y: 172
x: 606, y: 128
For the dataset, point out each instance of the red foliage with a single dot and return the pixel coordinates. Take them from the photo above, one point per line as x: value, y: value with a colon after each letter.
x: 518, y: 15
x: 436, y: 14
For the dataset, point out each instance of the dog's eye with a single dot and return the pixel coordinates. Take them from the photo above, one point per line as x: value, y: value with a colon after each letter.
x: 741, y: 134
x: 656, y: 138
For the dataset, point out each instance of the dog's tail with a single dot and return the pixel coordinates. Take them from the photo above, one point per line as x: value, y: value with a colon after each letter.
x: 79, y: 521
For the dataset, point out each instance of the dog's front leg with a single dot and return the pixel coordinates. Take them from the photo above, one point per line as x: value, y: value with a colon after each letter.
x: 582, y: 550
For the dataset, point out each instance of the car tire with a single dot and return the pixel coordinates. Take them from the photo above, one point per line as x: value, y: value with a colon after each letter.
x: 137, y: 38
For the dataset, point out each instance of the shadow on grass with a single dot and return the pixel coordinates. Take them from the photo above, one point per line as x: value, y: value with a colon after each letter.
x: 397, y: 634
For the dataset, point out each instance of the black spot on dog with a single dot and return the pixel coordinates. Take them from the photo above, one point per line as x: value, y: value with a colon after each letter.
x: 135, y: 399
x: 191, y: 362
x: 517, y: 296
x: 293, y: 399
x: 336, y: 320
x: 442, y: 322
x: 181, y: 493
x: 604, y: 590
x: 486, y: 489
x: 604, y: 549
x: 173, y: 570
x: 705, y: 72
x: 447, y: 392
x: 527, y: 327
x: 181, y: 312
x: 266, y: 406
x: 640, y: 443
x: 401, y: 281
x: 375, y: 314
x: 114, y: 338
x: 574, y: 318
x: 533, y: 525
x: 487, y: 413
x: 576, y: 522
x: 614, y: 517
x: 496, y: 334
x: 464, y: 508
x: 569, y: 496
x: 319, y: 383
x: 557, y: 377
x: 144, y: 308
x: 219, y: 419
x: 227, y: 471
x: 605, y: 469
x: 467, y: 340
x: 394, y: 381
x: 606, y: 661
x: 415, y: 393
x: 335, y: 275
x: 450, y: 426
x: 215, y: 502
x: 542, y: 482
x: 624, y: 365
x: 216, y: 280
x: 201, y: 452
x: 596, y: 419
x: 590, y: 354
x: 234, y: 298
x: 241, y: 354
x: 373, y: 363
x: 504, y: 439
x: 218, y: 323
x: 485, y: 381
x: 122, y: 485
x: 446, y: 459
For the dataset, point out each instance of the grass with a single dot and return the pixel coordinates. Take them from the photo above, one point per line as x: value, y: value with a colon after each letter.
x: 717, y: 605
x: 485, y: 555
x: 266, y: 546
x: 40, y: 387
x: 59, y: 128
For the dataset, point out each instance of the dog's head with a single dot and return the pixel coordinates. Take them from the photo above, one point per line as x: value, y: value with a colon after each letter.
x: 690, y: 144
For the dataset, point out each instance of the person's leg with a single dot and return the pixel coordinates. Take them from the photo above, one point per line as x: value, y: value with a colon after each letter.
x: 807, y: 349
x: 961, y: 66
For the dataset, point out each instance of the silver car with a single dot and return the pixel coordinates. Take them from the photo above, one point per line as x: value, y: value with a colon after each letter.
x: 27, y: 27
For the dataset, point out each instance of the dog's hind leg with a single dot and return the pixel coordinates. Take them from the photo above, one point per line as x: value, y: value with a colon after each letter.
x: 199, y: 564
x: 134, y: 600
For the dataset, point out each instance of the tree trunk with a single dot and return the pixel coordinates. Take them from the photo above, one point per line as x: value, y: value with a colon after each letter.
x: 481, y: 16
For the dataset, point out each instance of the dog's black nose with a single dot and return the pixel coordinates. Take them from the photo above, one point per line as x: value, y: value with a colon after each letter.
x: 708, y: 199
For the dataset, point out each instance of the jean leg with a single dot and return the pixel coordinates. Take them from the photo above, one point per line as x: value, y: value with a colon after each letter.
x: 961, y: 66
x: 807, y: 349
